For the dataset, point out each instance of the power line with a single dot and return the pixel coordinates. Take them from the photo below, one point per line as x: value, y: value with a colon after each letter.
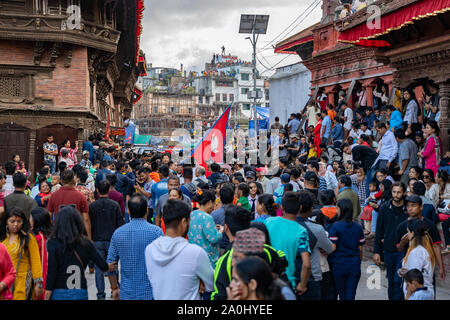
x: 316, y: 5
x: 268, y: 69
x: 282, y: 32
x: 273, y: 67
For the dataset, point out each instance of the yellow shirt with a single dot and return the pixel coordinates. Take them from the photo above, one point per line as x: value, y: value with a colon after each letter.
x: 312, y: 153
x: 30, y: 260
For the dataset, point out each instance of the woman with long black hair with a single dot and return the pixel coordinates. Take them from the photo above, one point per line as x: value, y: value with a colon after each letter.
x: 432, y: 151
x: 41, y: 226
x: 24, y: 251
x: 412, y: 113
x: 347, y: 237
x: 69, y: 251
x: 202, y: 228
x: 266, y: 207
x: 252, y: 279
x: 420, y: 254
x: 432, y: 192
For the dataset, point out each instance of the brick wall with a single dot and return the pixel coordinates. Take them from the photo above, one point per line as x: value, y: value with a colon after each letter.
x: 68, y: 87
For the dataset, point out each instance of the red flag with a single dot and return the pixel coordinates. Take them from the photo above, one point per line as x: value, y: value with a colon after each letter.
x: 107, y: 131
x: 210, y: 148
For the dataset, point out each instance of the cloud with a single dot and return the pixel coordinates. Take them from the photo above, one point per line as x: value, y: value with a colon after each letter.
x: 191, y: 31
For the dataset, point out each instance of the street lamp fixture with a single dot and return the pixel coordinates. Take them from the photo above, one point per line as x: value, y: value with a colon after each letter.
x: 255, y: 25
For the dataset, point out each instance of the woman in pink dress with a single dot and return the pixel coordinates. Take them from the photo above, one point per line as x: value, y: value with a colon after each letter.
x: 7, y: 274
x: 432, y: 151
x: 72, y: 152
x: 20, y: 166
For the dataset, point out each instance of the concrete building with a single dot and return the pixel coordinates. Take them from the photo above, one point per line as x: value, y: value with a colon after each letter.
x: 215, y: 94
x: 289, y: 91
x: 243, y: 73
x: 157, y: 77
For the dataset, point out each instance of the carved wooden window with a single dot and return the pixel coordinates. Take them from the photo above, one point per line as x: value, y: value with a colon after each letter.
x: 55, y: 7
x: 11, y: 87
x: 12, y: 5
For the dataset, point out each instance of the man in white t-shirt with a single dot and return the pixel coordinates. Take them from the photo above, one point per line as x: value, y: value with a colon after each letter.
x: 348, y: 116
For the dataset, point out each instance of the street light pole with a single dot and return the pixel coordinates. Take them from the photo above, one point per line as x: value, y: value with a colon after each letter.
x: 254, y: 24
x: 254, y: 77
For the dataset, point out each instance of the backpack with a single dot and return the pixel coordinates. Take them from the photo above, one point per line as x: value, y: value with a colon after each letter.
x: 312, y: 244
x: 190, y: 187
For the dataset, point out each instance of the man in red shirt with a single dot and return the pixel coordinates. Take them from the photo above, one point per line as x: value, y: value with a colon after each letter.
x: 68, y: 195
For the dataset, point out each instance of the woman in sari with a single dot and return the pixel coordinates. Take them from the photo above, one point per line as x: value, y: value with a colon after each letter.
x: 432, y: 151
x: 44, y: 194
x: 7, y: 274
x: 24, y: 251
x: 317, y: 129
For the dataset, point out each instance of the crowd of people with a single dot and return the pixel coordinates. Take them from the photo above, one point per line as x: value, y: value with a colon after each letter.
x: 164, y: 230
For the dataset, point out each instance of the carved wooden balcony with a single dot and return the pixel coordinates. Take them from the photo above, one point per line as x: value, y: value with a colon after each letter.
x: 54, y: 28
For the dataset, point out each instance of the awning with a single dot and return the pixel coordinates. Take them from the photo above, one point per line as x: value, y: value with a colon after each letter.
x: 300, y: 38
x: 364, y: 36
x: 285, y: 48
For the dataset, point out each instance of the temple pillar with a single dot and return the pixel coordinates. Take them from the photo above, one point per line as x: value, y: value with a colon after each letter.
x: 444, y: 120
x: 369, y: 96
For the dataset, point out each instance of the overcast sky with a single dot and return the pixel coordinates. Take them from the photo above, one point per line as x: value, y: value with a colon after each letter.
x: 191, y: 31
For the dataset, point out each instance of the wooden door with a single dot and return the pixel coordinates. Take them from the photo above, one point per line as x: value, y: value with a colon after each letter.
x: 14, y: 139
x: 60, y: 133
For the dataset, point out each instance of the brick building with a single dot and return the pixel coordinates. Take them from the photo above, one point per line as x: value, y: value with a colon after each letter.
x: 159, y: 113
x: 64, y: 72
x: 413, y: 39
x: 336, y: 66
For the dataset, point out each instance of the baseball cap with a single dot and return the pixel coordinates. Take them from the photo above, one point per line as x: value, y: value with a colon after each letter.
x: 293, y: 136
x: 250, y: 174
x: 414, y: 198
x: 285, y: 177
x: 85, y: 151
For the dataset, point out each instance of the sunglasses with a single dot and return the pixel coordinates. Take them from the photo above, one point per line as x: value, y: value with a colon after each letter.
x: 428, y: 177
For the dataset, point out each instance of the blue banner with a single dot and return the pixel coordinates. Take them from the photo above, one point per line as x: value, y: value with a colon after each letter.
x: 129, y: 133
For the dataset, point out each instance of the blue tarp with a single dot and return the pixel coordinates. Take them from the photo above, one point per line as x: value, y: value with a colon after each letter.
x: 262, y: 123
x: 129, y: 132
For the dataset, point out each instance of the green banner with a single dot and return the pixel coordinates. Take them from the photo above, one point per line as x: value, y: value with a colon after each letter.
x: 142, y: 139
